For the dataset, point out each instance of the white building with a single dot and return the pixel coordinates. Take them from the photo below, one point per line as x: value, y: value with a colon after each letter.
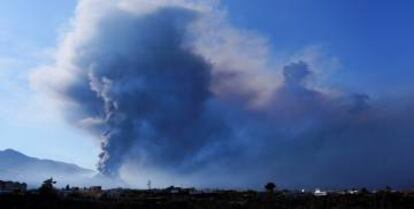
x: 320, y: 193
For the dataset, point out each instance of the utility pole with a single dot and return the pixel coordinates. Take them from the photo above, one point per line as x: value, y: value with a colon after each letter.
x: 149, y: 184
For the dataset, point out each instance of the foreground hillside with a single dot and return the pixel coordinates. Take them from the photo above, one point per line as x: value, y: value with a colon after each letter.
x: 220, y: 200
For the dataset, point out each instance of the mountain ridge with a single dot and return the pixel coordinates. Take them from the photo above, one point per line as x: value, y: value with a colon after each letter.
x: 17, y: 166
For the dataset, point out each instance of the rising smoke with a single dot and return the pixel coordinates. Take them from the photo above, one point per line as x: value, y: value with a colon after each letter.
x: 176, y: 95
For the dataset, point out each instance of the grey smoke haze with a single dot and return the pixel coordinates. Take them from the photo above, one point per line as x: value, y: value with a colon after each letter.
x: 155, y: 100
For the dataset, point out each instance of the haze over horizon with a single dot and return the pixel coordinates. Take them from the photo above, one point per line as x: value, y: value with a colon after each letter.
x: 213, y: 93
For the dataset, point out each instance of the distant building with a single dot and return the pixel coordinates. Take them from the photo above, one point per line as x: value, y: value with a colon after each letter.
x: 12, y: 187
x: 95, y: 189
x: 114, y: 193
x: 353, y: 191
x: 91, y: 192
x: 94, y: 192
x: 179, y: 190
x: 319, y: 193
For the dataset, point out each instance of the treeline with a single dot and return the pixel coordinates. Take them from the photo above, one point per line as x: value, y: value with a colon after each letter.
x: 235, y: 200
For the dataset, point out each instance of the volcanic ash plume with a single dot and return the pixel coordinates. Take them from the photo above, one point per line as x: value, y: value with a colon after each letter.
x: 177, y: 95
x: 145, y: 87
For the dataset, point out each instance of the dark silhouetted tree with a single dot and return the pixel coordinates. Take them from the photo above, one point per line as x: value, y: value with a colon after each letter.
x: 364, y: 191
x: 270, y: 187
x: 388, y: 189
x: 47, y: 187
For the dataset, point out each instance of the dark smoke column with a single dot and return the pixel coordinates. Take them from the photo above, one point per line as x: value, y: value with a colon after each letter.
x: 144, y: 87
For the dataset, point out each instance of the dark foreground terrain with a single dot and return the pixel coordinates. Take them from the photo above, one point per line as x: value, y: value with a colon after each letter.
x: 131, y: 199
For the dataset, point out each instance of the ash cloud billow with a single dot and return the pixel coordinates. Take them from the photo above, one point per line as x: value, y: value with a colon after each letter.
x: 145, y: 88
x: 177, y: 95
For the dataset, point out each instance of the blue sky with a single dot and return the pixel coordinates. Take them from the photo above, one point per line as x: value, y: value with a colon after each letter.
x: 28, y: 34
x: 372, y: 39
